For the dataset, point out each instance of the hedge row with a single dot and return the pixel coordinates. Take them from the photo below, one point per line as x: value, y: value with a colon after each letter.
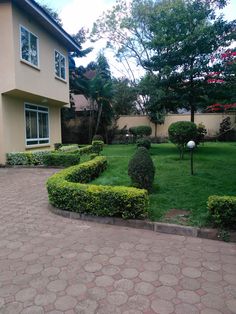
x: 65, y: 156
x: 27, y: 158
x: 68, y: 190
x: 222, y: 210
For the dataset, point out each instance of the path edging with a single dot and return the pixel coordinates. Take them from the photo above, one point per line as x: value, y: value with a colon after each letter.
x: 206, y: 233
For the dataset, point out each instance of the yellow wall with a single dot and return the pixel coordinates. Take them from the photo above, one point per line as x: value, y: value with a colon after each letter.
x: 7, y: 54
x: 15, y: 73
x: 12, y: 127
x: 210, y: 120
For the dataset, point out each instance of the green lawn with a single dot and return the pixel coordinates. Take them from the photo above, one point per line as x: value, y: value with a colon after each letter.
x: 174, y: 187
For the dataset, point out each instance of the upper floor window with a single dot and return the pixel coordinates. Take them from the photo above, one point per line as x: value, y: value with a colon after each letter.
x: 29, y: 47
x: 60, y: 65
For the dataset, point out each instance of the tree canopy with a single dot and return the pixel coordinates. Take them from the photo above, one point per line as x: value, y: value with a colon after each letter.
x: 174, y: 41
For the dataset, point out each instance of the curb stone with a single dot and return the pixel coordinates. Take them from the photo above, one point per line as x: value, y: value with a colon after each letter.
x: 206, y: 233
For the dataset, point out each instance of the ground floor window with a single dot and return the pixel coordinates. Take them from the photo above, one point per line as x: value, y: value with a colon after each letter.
x: 36, y: 123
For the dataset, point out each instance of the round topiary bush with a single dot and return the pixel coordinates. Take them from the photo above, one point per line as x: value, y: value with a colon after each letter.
x: 98, y: 137
x: 141, y: 169
x: 180, y: 133
x: 144, y: 142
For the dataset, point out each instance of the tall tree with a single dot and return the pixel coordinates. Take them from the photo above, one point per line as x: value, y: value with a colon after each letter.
x: 171, y: 39
x: 185, y: 35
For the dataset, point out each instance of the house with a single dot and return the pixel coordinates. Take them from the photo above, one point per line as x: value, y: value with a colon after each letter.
x: 81, y: 104
x: 34, y: 77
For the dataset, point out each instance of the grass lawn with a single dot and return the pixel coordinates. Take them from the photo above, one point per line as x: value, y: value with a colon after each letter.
x: 174, y: 187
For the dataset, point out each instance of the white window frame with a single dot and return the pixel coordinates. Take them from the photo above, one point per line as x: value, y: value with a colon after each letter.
x: 21, y: 57
x: 37, y: 110
x: 61, y: 55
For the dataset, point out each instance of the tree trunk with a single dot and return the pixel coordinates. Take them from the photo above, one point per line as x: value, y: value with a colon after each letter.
x: 98, y: 119
x: 192, y: 113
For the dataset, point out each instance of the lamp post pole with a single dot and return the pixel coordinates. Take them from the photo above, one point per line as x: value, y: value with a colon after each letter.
x: 191, y: 157
x: 191, y: 145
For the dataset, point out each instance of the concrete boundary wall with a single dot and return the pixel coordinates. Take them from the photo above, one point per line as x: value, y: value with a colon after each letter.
x: 210, y: 120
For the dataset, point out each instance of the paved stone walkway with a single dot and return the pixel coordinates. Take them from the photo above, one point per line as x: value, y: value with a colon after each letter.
x: 50, y: 264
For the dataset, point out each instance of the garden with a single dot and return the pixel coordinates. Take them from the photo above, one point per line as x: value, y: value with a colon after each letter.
x: 144, y: 180
x: 174, y: 187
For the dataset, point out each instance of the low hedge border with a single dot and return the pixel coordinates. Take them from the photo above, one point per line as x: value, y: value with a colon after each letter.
x: 64, y: 157
x: 69, y: 190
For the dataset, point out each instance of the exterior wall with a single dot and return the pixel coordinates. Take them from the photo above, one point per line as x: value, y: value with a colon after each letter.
x: 210, y: 120
x: 7, y: 63
x: 12, y: 126
x: 17, y: 75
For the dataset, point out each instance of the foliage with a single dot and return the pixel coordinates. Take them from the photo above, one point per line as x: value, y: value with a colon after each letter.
x: 98, y: 137
x: 125, y: 97
x: 173, y: 186
x: 61, y: 159
x: 222, y: 210
x: 68, y: 148
x: 57, y: 145
x: 141, y: 169
x: 180, y: 133
x: 67, y: 191
x: 226, y: 131
x: 174, y: 41
x: 201, y: 132
x: 141, y: 130
x: 221, y: 108
x: 144, y: 142
x: 88, y: 149
x: 97, y: 146
x: 26, y: 158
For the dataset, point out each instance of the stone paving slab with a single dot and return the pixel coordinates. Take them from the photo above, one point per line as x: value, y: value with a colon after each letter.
x: 51, y: 264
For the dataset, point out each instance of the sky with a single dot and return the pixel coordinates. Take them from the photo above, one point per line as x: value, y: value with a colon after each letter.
x: 76, y: 14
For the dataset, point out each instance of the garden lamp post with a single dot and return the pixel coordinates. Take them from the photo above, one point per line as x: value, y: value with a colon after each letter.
x: 191, y: 145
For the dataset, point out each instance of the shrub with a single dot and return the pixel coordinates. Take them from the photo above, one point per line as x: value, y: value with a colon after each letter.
x: 201, y: 132
x: 98, y: 137
x: 57, y: 146
x: 180, y: 133
x: 144, y: 142
x: 222, y: 210
x: 226, y: 131
x: 68, y: 148
x: 61, y: 159
x: 141, y: 130
x: 18, y: 158
x: 26, y: 158
x: 141, y: 169
x: 67, y: 191
x: 97, y: 146
x: 86, y: 150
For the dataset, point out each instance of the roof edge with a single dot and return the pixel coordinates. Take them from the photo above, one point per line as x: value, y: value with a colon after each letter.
x: 33, y: 5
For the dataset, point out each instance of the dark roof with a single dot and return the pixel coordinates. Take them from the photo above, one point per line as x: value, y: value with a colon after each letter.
x: 42, y: 17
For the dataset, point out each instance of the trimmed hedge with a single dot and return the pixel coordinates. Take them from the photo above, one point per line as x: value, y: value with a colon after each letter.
x: 27, y: 158
x: 141, y: 169
x: 144, y: 142
x: 68, y: 190
x: 97, y: 146
x: 141, y: 130
x: 86, y: 150
x: 69, y: 148
x: 61, y: 159
x: 222, y: 210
